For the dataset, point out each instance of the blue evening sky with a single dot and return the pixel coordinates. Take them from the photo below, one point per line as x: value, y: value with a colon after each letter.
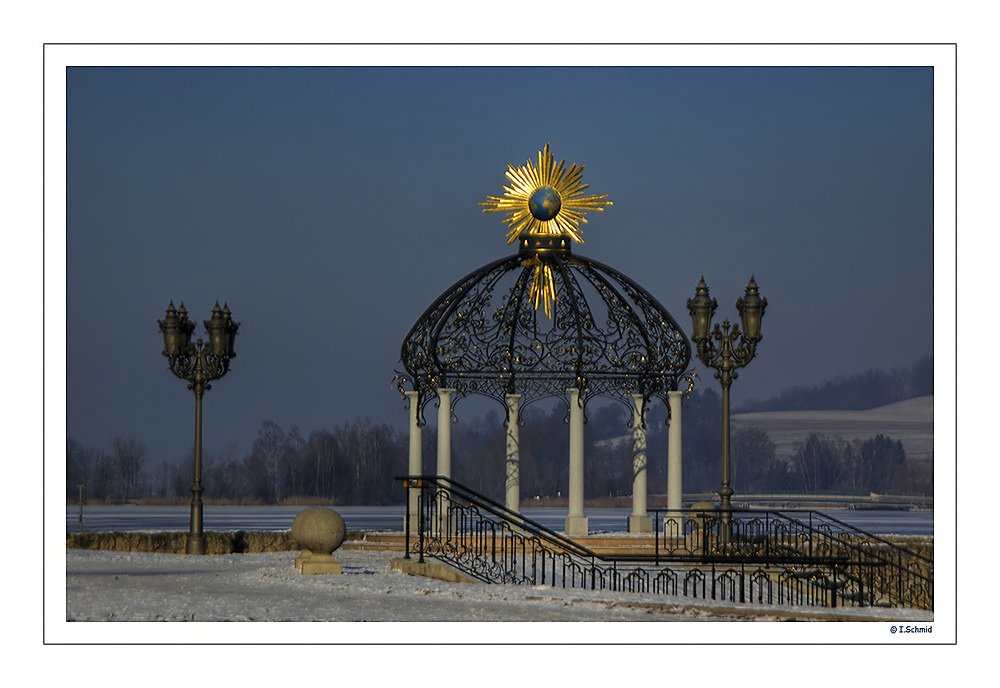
x: 330, y: 206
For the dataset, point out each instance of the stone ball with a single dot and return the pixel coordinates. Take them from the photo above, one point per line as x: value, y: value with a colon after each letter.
x: 319, y: 529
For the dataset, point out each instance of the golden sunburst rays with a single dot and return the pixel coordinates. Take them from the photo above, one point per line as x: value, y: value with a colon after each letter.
x: 545, y: 198
x: 543, y: 285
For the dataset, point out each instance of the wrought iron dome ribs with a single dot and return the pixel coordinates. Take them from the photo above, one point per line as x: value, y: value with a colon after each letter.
x: 606, y: 335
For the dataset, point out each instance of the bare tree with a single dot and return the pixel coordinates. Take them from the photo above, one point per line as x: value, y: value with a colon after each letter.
x: 875, y: 462
x: 128, y: 459
x: 322, y: 447
x: 753, y: 454
x: 79, y: 465
x: 269, y: 449
x: 818, y: 461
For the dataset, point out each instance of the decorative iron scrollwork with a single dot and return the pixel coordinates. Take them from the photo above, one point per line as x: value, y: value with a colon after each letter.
x: 607, y: 335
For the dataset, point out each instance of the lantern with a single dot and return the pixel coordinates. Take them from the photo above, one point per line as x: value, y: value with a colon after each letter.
x: 702, y: 308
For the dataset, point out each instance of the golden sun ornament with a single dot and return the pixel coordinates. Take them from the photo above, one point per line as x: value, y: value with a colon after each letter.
x: 544, y: 199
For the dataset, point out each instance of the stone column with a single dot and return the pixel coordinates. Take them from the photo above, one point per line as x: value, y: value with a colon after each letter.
x: 576, y: 522
x: 673, y: 524
x: 416, y: 457
x: 444, y: 432
x: 513, y: 462
x: 443, y: 448
x: 639, y: 521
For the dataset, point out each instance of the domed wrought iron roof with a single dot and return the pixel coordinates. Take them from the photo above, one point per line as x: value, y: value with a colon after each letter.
x: 607, y: 335
x: 599, y: 331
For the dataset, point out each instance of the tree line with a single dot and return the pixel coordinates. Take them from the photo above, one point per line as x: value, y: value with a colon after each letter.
x: 355, y: 463
x: 820, y: 463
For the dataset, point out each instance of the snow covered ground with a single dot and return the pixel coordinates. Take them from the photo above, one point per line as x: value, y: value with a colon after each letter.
x: 132, y: 586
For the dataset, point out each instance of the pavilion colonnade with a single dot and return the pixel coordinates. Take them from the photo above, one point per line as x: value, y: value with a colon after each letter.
x: 576, y: 520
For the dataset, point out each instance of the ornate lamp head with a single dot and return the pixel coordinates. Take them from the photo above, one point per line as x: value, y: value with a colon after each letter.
x: 221, y: 332
x: 176, y: 329
x: 169, y: 329
x: 185, y: 327
x: 751, y: 309
x: 216, y: 328
x: 231, y: 326
x: 702, y: 308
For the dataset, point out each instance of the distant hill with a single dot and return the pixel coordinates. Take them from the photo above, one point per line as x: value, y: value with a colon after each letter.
x: 871, y: 389
x: 910, y: 421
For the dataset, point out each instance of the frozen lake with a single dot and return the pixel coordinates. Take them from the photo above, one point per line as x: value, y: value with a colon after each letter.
x: 273, y: 518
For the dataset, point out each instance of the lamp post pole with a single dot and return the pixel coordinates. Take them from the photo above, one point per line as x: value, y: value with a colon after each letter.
x: 199, y: 364
x: 732, y: 350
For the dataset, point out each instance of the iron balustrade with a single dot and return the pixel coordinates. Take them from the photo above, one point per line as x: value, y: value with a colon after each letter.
x: 769, y: 557
x: 872, y: 570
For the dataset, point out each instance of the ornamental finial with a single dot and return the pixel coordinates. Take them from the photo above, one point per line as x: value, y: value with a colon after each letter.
x: 544, y: 199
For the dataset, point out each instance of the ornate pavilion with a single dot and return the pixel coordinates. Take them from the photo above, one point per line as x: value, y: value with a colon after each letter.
x: 548, y: 323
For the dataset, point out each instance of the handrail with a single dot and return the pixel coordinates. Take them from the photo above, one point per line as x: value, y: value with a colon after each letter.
x: 503, y: 512
x: 847, y: 527
x: 546, y: 533
x: 792, y: 552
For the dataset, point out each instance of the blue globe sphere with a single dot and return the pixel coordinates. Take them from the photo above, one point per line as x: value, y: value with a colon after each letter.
x: 544, y: 203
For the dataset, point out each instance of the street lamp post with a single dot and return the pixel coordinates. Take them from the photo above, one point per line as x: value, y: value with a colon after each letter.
x: 731, y: 350
x: 198, y: 364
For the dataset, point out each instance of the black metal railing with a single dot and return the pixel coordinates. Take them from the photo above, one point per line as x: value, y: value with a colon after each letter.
x: 746, y: 556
